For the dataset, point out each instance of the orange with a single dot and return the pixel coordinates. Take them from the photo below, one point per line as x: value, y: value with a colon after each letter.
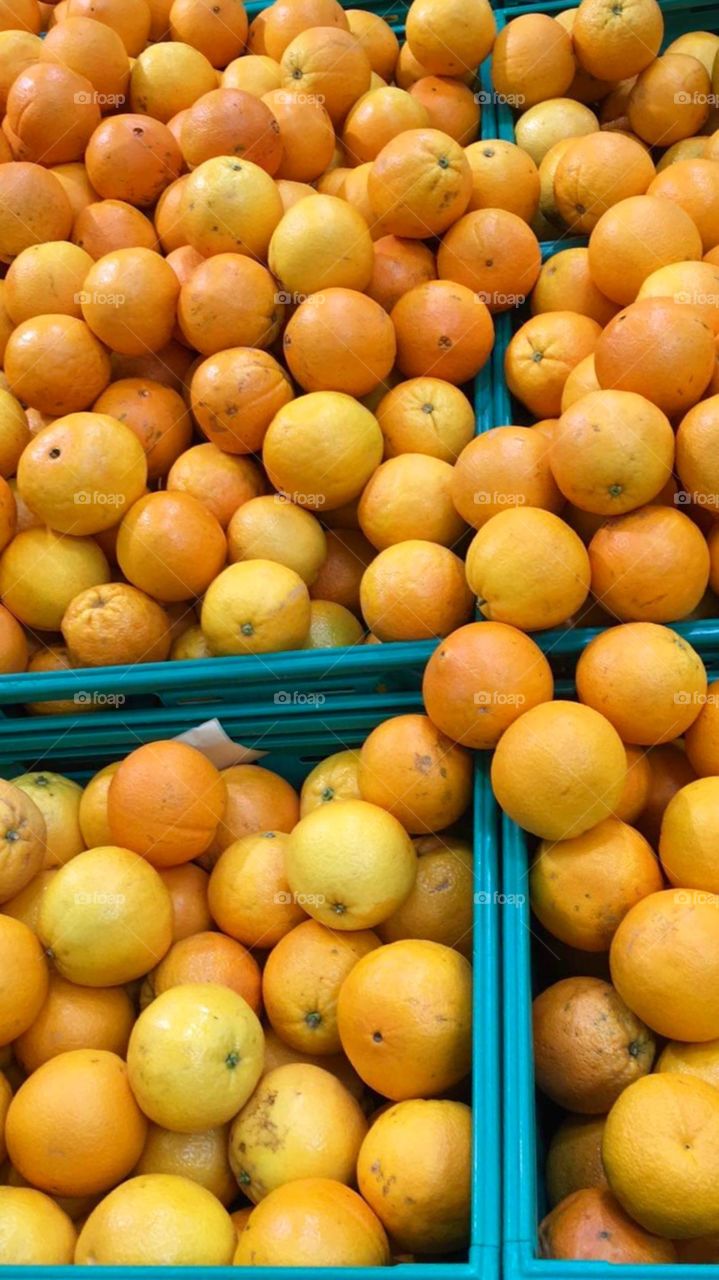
x: 387, y: 510
x: 534, y: 774
x: 693, y: 185
x: 76, y: 185
x: 24, y: 843
x: 654, y: 547
x: 51, y: 113
x: 165, y: 802
x: 508, y: 566
x: 701, y: 740
x: 289, y: 18
x: 92, y: 810
x: 46, y: 278
x: 199, y: 1157
x: 209, y: 957
x: 129, y: 299
x: 439, y: 907
x: 685, y: 149
x: 698, y: 1060
x: 597, y: 172
x: 306, y: 133
x: 187, y: 886
x: 271, y: 528
x: 54, y: 363
x: 542, y: 354
x: 660, y: 348
x: 84, y: 1093
x: 340, y: 577
x: 36, y: 1231
x: 659, y: 1153
x: 392, y: 1037
x: 615, y: 45
x: 323, y: 1122
x: 256, y: 606
x: 414, y: 590
x: 698, y: 44
x: 506, y: 466
x: 217, y: 30
x: 34, y: 208
x: 574, y: 1158
x: 503, y: 177
x: 409, y: 768
x: 74, y: 1017
x: 424, y: 1205
x: 19, y: 49
x: 156, y: 414
x: 591, y: 1225
x: 129, y: 18
x: 420, y: 183
x: 666, y: 677
x: 21, y: 1001
x: 669, y: 101
x: 346, y: 879
x: 693, y: 284
x: 300, y: 454
x: 583, y: 887
x: 637, y: 786
x: 334, y: 778
x: 157, y: 1219
x: 446, y: 39
x: 167, y: 220
x: 378, y: 117
x: 115, y: 623
x: 235, y: 395
x: 133, y: 158
x: 93, y: 50
x: 82, y: 472
x: 257, y: 801
x: 169, y: 366
x: 231, y: 122
x: 212, y: 1073
x: 669, y: 770
x: 14, y: 433
x: 565, y: 284
x: 686, y: 844
x: 425, y: 416
x: 339, y: 340
x: 549, y: 122
x: 581, y: 381
x: 321, y: 243
x: 106, y: 225
x: 532, y: 60
x: 588, y: 1046
x: 283, y: 1230
x: 450, y: 105
x: 220, y: 482
x: 612, y: 451
x: 248, y: 893
x: 292, y: 192
x: 58, y: 799
x: 277, y: 1054
x: 14, y: 654
x: 480, y: 679
x: 158, y: 543
x: 493, y: 253
x: 230, y: 206
x: 399, y: 265
x: 636, y: 236
x: 443, y: 330
x: 332, y: 626
x: 253, y: 73
x: 377, y: 39
x: 41, y: 572
x: 329, y: 64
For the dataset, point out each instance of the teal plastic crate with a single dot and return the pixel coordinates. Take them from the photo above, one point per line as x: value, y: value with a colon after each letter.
x: 296, y: 745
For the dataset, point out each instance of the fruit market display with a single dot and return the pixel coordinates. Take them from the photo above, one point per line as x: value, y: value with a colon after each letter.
x: 228, y: 1033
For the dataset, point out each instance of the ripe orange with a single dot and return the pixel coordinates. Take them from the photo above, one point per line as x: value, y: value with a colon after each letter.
x: 378, y: 117
x: 199, y: 1157
x: 217, y: 30
x: 92, y: 50
x: 306, y: 132
x: 285, y: 20
x: 253, y: 73
x: 234, y: 396
x: 157, y: 1219
x: 409, y: 768
x: 574, y: 1158
x: 231, y: 122
x: 14, y: 653
x: 106, y: 225
x: 339, y: 340
x: 168, y: 77
x: 248, y: 893
x: 74, y: 1017
x: 330, y: 64
x: 129, y: 300
x: 158, y: 542
x: 592, y: 1226
x: 51, y: 114
x: 209, y: 957
x: 321, y: 243
x: 503, y: 177
x: 54, y: 363
x: 270, y: 528
x: 36, y: 1231
x: 669, y: 769
x: 506, y: 466
x: 45, y: 278
x: 377, y: 39
x: 399, y: 265
x: 450, y: 106
x: 387, y: 509
x: 255, y: 606
x: 156, y: 414
x: 532, y: 60
x: 133, y: 158
x: 495, y: 254
x: 541, y: 355
x: 616, y: 45
x: 187, y: 886
x: 427, y: 416
x: 660, y: 348
x: 165, y: 802
x: 420, y: 183
x: 693, y: 185
x: 58, y: 799
x: 300, y: 449
x: 565, y: 284
x: 21, y: 1002
x: 693, y: 284
x: 686, y: 843
x: 284, y: 1228
x: 414, y: 590
x: 446, y: 39
x: 440, y: 904
x: 14, y: 433
x: 115, y: 623
x: 34, y: 208
x: 632, y: 556
x: 41, y: 572
x: 219, y: 481
x: 257, y: 800
x: 669, y: 101
x: 250, y: 315
x: 230, y: 206
x: 636, y: 236
x: 596, y: 172
x: 444, y: 330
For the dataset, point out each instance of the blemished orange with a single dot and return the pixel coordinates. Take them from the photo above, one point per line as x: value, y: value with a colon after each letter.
x: 419, y: 184
x: 257, y: 800
x: 653, y: 547
x: 22, y: 955
x: 596, y: 172
x: 330, y: 64
x: 439, y: 906
x: 495, y: 254
x: 662, y: 349
x: 378, y: 117
x: 693, y: 185
x: 505, y: 466
x: 444, y: 330
x: 450, y: 106
x: 268, y: 528
x: 427, y: 416
x: 235, y: 394
x: 165, y: 801
x: 334, y: 778
x: 669, y: 101
x: 687, y: 847
x: 302, y: 980
x: 75, y: 1017
x: 581, y: 888
x: 106, y: 225
x: 590, y: 1225
x: 399, y: 265
x: 541, y: 355
x: 222, y: 483
x: 636, y: 236
x: 507, y: 567
x: 393, y: 1040
x: 612, y: 451
x: 339, y: 340
x: 34, y: 208
x: 565, y: 284
x: 415, y: 590
x: 588, y: 1045
x: 200, y: 1157
x: 84, y: 1095
x: 55, y: 363
x: 534, y: 774
x: 408, y: 767
x: 157, y: 1219
x: 231, y: 122
x: 503, y: 177
x: 217, y: 30
x: 659, y: 1151
x: 481, y: 678
x: 230, y: 205
x: 665, y: 674
x: 426, y: 1206
x: 300, y: 449
x: 156, y: 414
x: 24, y: 843
x: 387, y: 509
x: 115, y: 623
x: 158, y: 541
x: 133, y: 158
x: 574, y: 1158
x: 187, y: 886
x: 255, y: 606
x: 58, y: 799
x: 614, y: 46
x: 284, y: 1228
x: 250, y: 314
x: 285, y: 20
x: 306, y: 131
x: 248, y: 893
x: 210, y: 957
x: 377, y: 39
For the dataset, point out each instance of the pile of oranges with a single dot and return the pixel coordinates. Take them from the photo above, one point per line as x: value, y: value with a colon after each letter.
x: 235, y: 1019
